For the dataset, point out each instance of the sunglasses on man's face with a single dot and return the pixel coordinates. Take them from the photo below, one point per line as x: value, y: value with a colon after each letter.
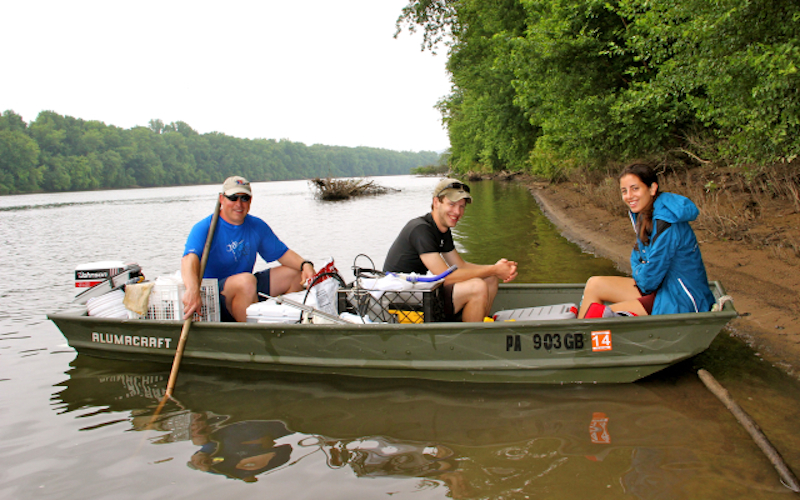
x: 454, y: 185
x: 236, y: 197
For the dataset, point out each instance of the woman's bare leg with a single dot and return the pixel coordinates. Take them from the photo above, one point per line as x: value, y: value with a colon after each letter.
x: 633, y: 306
x: 609, y: 289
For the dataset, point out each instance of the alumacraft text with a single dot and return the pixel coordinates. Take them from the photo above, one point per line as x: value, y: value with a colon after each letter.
x: 133, y: 340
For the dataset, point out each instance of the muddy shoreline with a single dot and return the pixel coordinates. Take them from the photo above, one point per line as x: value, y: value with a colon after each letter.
x: 764, y: 286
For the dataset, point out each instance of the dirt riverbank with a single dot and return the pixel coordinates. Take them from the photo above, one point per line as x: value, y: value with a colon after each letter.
x: 764, y: 283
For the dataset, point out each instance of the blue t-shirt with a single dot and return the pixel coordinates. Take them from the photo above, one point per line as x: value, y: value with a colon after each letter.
x: 234, y: 248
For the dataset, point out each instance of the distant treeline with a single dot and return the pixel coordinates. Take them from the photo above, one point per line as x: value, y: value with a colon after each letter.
x: 62, y: 153
x: 547, y: 85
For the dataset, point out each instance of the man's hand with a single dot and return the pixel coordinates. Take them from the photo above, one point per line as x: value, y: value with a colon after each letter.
x: 506, y: 270
x: 190, y: 272
x: 307, y: 272
x: 191, y: 302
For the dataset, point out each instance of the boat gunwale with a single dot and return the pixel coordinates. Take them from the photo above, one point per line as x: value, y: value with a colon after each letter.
x: 727, y: 313
x: 695, y: 318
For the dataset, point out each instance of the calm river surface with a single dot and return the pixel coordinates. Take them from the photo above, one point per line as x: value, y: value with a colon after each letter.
x: 73, y: 427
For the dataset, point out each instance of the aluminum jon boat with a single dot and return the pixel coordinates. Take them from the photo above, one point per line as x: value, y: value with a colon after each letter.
x: 605, y: 350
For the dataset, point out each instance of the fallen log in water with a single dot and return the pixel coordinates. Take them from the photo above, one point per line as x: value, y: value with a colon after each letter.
x: 787, y: 476
x: 341, y: 189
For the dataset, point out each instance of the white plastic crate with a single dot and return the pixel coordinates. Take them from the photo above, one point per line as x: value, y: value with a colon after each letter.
x: 166, y: 301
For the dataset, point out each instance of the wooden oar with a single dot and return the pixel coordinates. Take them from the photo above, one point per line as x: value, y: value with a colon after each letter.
x: 187, y: 323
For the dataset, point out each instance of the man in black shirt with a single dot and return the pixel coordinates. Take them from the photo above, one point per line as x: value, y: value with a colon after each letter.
x: 426, y: 244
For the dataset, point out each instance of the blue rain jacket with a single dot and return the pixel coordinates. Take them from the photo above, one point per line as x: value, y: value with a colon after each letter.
x: 671, y: 264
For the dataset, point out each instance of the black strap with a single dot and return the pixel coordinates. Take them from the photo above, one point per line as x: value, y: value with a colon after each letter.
x: 661, y: 226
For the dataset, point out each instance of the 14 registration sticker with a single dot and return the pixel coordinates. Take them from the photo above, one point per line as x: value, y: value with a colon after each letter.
x: 601, y: 340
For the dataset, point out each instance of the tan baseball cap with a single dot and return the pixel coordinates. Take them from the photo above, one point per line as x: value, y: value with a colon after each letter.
x: 453, y: 189
x: 236, y: 185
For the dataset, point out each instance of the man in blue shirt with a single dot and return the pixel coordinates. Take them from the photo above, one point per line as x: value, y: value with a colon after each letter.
x: 238, y: 239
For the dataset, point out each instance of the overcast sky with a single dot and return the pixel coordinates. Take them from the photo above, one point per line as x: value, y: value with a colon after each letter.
x: 314, y: 71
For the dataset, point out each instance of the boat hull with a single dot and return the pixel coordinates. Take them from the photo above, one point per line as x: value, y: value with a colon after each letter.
x: 558, y: 351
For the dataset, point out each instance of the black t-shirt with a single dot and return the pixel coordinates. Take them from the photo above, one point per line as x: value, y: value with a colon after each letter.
x: 419, y: 236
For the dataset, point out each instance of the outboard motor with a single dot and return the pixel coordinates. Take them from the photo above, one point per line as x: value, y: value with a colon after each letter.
x: 98, y: 278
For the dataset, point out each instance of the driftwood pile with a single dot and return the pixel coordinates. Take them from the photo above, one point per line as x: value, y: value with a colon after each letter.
x: 342, y: 189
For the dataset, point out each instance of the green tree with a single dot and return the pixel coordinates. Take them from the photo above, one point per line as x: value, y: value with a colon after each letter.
x: 79, y: 169
x: 60, y: 153
x: 56, y: 175
x: 486, y: 125
x: 12, y: 122
x: 48, y: 133
x: 141, y: 159
x: 19, y: 170
x: 593, y: 81
x: 733, y: 66
x: 179, y: 164
x: 112, y: 173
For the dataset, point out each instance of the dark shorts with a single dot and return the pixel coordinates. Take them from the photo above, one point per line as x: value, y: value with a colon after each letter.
x: 262, y: 286
x: 647, y: 302
x: 447, y: 295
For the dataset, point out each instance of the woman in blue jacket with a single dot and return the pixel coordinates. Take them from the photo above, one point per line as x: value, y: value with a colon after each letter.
x: 668, y: 272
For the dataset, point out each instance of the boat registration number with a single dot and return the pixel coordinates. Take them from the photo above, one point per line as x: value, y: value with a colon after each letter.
x: 547, y: 341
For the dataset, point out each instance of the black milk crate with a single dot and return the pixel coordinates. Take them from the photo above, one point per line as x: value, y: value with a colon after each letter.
x: 389, y: 306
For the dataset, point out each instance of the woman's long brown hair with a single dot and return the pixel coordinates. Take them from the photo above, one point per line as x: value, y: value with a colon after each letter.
x: 644, y: 222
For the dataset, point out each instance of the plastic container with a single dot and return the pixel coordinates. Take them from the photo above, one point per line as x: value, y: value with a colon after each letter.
x: 166, y: 301
x: 392, y: 306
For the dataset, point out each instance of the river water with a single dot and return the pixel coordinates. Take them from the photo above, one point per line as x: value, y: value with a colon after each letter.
x: 76, y: 427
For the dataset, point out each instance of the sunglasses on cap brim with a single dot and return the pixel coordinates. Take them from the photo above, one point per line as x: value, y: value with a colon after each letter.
x: 454, y: 185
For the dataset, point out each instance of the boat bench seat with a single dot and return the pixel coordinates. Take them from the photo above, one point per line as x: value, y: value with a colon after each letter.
x: 558, y: 311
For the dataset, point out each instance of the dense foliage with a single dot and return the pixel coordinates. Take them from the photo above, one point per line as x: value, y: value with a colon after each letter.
x: 62, y: 153
x: 546, y: 84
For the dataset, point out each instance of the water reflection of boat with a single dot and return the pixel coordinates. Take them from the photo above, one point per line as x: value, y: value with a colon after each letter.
x: 482, y: 443
x: 245, y: 449
x: 619, y: 349
x: 375, y: 456
x: 241, y: 450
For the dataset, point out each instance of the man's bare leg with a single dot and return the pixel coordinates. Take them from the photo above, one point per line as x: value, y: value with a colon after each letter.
x: 283, y: 279
x: 240, y: 292
x: 474, y: 298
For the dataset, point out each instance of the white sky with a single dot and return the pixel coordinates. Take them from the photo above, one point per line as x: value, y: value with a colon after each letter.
x: 313, y: 71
